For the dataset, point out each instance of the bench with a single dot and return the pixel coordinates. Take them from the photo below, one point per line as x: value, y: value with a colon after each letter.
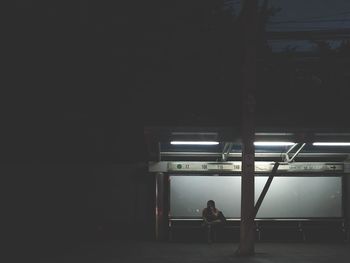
x: 271, y: 229
x: 230, y: 229
x: 325, y: 229
x: 280, y: 229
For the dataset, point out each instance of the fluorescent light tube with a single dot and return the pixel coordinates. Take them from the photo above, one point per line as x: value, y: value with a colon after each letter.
x: 331, y: 144
x: 194, y: 143
x: 273, y: 143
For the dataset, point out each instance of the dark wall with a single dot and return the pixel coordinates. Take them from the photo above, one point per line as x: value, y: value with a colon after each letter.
x: 55, y: 207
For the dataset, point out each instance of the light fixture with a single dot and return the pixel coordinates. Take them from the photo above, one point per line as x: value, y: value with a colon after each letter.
x: 274, y: 143
x: 194, y: 143
x: 331, y: 144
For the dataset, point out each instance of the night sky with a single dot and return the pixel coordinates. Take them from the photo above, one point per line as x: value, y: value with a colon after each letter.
x: 311, y: 9
x: 81, y: 69
x: 308, y: 16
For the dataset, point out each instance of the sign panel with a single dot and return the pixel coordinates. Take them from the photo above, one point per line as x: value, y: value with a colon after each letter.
x: 233, y: 167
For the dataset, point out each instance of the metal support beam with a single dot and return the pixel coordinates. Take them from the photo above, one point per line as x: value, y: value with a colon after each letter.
x: 223, y: 155
x: 159, y: 207
x: 265, y: 189
x: 286, y: 159
x: 226, y: 151
x: 297, y: 152
x: 286, y: 156
x: 238, y: 155
x: 269, y: 180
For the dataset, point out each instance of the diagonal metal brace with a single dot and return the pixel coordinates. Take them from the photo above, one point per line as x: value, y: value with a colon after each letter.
x: 263, y: 193
x: 226, y: 151
x: 272, y: 175
x: 287, y: 158
x: 265, y: 189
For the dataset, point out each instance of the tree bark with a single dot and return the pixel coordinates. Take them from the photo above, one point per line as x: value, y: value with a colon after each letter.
x: 247, y: 234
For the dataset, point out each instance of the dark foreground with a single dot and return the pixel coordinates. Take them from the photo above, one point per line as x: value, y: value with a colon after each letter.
x: 200, y: 252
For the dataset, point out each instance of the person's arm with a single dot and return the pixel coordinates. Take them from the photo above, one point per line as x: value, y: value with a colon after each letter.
x: 222, y: 217
x: 204, y: 215
x: 216, y: 213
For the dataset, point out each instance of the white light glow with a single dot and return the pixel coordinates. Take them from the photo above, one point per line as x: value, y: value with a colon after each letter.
x: 194, y: 143
x: 273, y: 143
x: 331, y: 144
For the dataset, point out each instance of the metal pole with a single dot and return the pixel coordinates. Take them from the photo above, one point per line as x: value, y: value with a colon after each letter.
x: 265, y: 189
x: 289, y: 150
x: 297, y: 152
x: 159, y: 207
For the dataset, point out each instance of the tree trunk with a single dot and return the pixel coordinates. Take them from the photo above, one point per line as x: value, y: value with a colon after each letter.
x: 247, y: 233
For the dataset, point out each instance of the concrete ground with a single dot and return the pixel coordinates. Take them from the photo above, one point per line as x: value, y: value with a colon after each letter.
x: 201, y: 252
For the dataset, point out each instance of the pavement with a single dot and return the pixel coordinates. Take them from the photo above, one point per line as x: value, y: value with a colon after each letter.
x: 187, y: 252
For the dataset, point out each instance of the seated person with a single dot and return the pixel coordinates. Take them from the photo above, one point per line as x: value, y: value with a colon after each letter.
x: 213, y: 218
